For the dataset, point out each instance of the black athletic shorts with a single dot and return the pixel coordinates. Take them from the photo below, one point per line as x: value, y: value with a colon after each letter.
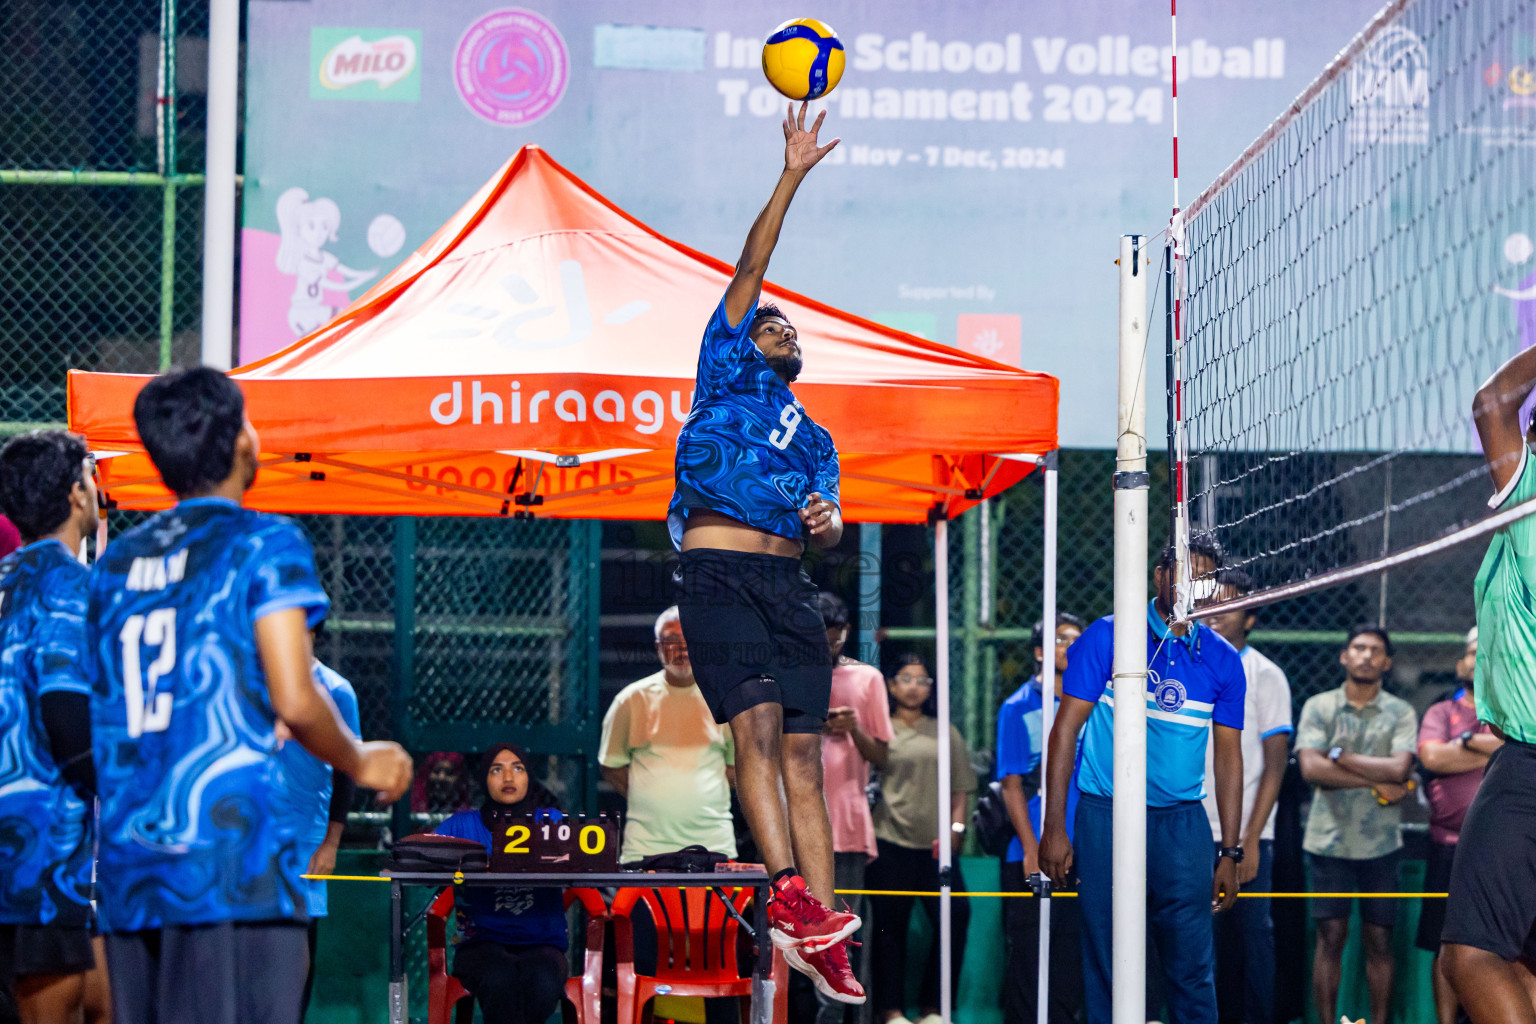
x: 755, y: 635
x: 1492, y: 905
x: 44, y: 949
x: 1335, y: 874
x: 1437, y: 878
x: 223, y: 973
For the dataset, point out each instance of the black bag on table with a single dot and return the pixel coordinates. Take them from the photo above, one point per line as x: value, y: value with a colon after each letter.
x: 437, y: 853
x: 691, y: 860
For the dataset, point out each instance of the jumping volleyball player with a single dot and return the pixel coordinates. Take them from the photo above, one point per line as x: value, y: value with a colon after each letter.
x: 199, y: 624
x: 756, y: 480
x: 1488, y: 944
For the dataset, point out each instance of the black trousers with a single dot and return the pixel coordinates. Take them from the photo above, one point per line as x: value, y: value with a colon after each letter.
x: 898, y: 867
x: 512, y: 984
x: 223, y: 973
x: 1021, y: 927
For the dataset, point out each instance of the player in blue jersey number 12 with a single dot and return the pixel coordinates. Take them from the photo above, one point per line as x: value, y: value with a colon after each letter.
x: 199, y: 623
x: 756, y: 480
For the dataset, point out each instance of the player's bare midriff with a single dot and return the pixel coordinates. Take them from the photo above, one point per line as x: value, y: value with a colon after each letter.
x: 714, y: 530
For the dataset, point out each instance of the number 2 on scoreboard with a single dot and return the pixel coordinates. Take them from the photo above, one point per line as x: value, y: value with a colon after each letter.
x: 518, y: 834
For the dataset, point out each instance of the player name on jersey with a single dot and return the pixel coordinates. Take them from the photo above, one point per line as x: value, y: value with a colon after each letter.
x: 574, y: 843
x: 156, y: 573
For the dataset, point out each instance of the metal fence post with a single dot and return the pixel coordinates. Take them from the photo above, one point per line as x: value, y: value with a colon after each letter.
x: 165, y: 125
x: 405, y: 652
x: 589, y: 535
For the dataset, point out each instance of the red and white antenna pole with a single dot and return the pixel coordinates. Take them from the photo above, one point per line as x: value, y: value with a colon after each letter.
x: 1178, y: 442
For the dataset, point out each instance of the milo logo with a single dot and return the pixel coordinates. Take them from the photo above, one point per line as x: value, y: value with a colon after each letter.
x: 365, y: 64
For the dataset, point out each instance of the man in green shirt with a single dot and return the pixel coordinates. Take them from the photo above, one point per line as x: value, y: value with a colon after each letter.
x: 1488, y: 944
x: 1355, y: 746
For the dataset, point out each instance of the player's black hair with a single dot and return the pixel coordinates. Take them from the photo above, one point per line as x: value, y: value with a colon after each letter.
x: 765, y: 311
x: 1037, y: 635
x: 37, y: 472
x: 189, y: 421
x: 1372, y: 629
x: 833, y: 611
x: 1200, y: 543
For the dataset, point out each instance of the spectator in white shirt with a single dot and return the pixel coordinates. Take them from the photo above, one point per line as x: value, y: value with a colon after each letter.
x: 1245, y: 939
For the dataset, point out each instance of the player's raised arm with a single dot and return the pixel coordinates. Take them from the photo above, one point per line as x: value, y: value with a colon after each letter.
x: 801, y: 153
x: 283, y: 642
x: 1496, y: 411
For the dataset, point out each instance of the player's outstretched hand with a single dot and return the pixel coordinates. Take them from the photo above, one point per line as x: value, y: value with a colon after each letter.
x: 817, y: 514
x: 800, y: 150
x: 386, y: 767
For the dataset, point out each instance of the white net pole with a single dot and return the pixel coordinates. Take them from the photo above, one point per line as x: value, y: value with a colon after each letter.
x: 1130, y: 640
x: 219, y: 184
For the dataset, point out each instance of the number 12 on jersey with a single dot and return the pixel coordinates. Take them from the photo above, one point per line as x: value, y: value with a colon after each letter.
x: 149, y: 710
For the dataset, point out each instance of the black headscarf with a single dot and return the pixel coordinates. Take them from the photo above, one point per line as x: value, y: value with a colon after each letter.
x: 538, y: 794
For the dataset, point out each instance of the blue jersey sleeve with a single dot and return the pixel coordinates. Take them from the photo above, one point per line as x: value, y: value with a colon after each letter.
x: 827, y: 474
x: 1233, y: 696
x: 285, y: 575
x: 1017, y: 752
x: 346, y: 703
x: 1090, y: 662
x: 60, y: 647
x: 725, y: 351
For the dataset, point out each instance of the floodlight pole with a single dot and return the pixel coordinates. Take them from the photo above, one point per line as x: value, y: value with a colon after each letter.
x: 219, y: 185
x: 1129, y: 959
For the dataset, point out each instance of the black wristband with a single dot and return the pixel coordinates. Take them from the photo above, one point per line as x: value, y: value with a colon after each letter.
x: 1232, y: 853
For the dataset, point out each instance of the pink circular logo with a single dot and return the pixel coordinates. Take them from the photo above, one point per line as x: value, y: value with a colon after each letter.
x: 511, y: 67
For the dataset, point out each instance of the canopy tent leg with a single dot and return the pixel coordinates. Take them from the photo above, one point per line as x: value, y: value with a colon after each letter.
x: 946, y: 853
x: 1047, y: 712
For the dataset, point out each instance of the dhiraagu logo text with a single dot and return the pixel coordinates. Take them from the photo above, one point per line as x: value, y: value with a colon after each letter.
x: 365, y: 64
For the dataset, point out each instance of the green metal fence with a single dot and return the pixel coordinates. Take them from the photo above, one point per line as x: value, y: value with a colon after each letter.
x: 460, y: 633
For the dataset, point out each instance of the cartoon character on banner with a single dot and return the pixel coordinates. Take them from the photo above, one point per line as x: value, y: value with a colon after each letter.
x: 306, y: 225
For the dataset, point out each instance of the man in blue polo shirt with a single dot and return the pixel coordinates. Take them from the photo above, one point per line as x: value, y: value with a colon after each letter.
x: 1020, y: 739
x: 1195, y: 681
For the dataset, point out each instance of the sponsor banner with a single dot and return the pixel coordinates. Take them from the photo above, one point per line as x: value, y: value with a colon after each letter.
x: 991, y: 153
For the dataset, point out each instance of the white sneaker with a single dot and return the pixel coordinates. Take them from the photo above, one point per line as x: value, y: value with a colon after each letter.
x: 932, y: 1018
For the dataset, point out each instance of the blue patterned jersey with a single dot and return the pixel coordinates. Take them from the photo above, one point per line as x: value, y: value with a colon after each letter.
x: 45, y: 829
x: 747, y: 449
x: 305, y: 798
x: 182, y: 725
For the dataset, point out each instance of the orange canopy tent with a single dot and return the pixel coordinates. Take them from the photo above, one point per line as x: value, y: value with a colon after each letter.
x: 537, y: 356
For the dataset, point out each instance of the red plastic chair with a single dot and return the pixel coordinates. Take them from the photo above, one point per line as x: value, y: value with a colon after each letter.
x: 447, y: 998
x: 585, y: 992
x: 696, y: 950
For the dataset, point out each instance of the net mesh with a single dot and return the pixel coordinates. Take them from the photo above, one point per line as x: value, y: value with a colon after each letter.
x: 1347, y: 287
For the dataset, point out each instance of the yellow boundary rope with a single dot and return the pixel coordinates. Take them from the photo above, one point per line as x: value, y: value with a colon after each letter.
x: 1021, y: 895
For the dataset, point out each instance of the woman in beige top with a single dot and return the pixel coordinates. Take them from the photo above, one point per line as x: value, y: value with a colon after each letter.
x: 907, y: 838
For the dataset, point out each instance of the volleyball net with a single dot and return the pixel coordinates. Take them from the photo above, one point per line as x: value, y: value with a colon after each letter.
x: 1338, y: 294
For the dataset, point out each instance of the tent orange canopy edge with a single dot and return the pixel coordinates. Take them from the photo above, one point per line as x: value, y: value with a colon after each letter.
x: 537, y: 355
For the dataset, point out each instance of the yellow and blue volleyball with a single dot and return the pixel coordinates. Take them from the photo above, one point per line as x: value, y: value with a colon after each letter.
x: 803, y: 59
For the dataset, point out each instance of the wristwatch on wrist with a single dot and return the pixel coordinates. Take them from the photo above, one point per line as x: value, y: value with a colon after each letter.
x: 1233, y: 853
x: 1333, y: 755
x: 1466, y: 737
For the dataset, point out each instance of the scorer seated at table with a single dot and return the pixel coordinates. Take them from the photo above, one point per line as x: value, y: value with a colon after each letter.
x: 511, y: 948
